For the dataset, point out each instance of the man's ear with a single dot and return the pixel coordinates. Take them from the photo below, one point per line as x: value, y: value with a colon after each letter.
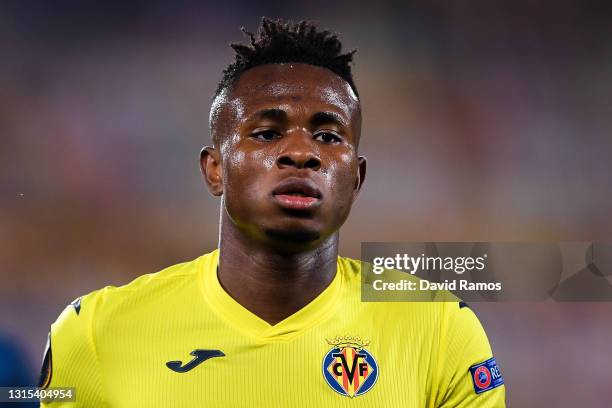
x: 360, y: 175
x: 210, y: 166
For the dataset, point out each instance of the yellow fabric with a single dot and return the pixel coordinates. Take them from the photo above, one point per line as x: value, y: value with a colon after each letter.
x: 115, y: 350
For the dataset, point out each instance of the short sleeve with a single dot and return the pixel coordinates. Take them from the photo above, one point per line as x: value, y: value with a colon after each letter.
x: 468, y: 373
x: 70, y: 360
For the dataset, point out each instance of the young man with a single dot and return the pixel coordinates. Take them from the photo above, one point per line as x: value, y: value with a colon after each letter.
x: 273, y: 317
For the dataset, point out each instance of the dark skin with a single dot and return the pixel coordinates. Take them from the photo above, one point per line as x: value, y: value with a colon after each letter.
x: 285, y: 164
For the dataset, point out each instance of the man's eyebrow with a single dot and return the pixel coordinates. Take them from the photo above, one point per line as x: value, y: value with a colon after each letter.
x: 322, y: 118
x: 271, y: 114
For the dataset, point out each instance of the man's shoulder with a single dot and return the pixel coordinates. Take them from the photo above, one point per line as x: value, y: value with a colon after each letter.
x: 148, y: 286
x: 142, y: 295
x: 407, y: 319
x: 439, y: 311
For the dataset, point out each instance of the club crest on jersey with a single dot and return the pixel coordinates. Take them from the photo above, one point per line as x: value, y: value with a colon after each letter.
x: 486, y: 376
x: 348, y: 368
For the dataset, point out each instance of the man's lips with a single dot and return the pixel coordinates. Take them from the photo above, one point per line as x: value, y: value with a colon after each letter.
x: 296, y: 202
x: 297, y: 194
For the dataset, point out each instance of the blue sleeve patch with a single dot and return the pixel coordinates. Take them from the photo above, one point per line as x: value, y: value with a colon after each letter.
x: 486, y: 376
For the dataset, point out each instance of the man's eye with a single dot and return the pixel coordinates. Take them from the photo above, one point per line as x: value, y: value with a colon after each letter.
x: 328, y: 137
x: 266, y: 135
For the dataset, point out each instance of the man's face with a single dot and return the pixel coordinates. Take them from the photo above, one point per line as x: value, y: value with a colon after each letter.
x: 287, y: 138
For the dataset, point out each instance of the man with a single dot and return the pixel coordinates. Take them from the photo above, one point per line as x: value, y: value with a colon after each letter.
x: 273, y: 317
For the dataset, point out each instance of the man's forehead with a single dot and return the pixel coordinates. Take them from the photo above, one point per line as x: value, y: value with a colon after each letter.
x: 267, y: 85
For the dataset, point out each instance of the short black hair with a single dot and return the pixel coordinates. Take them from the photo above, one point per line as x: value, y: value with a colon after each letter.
x: 279, y: 42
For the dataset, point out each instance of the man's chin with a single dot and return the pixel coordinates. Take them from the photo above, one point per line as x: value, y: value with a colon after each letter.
x: 293, y: 236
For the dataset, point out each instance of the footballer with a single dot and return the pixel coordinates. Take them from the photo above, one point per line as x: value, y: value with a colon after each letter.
x: 273, y: 317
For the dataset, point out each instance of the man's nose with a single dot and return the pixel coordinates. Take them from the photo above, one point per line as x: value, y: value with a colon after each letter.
x: 299, y: 152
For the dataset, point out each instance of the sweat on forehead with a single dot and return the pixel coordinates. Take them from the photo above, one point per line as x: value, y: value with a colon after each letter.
x: 275, y: 82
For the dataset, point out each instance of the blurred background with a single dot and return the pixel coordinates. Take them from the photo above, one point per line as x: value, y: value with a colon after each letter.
x: 483, y: 121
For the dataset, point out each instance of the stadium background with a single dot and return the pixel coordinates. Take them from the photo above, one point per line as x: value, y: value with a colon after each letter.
x: 483, y: 121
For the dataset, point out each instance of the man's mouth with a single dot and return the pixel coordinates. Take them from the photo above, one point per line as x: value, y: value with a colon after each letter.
x: 297, y: 194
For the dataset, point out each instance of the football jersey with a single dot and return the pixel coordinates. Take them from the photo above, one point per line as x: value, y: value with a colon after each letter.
x: 176, y: 339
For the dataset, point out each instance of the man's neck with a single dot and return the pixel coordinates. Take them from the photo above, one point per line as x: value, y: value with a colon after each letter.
x: 270, y: 284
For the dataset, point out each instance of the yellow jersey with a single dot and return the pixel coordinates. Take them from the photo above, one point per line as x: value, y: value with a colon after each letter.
x: 176, y: 339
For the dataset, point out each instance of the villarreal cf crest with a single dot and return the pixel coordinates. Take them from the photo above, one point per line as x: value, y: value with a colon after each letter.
x: 348, y: 367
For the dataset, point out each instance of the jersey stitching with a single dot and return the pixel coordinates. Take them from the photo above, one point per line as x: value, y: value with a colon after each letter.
x: 94, y: 348
x: 441, y: 343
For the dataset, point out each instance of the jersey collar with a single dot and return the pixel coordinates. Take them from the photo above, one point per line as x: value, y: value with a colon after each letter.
x: 320, y: 308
